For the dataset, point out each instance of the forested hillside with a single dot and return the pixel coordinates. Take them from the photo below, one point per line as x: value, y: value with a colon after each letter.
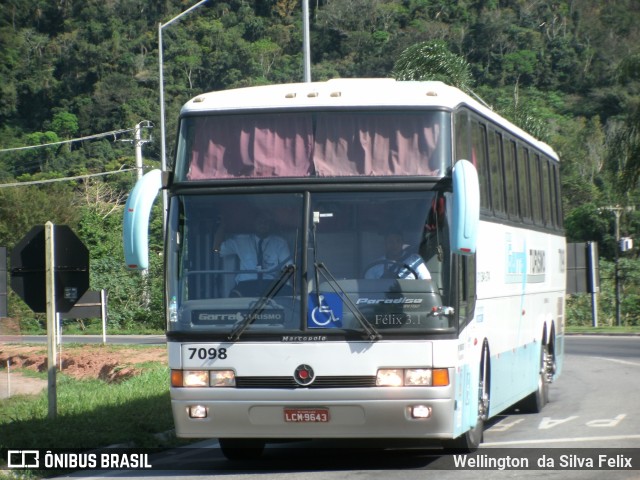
x: 569, y: 70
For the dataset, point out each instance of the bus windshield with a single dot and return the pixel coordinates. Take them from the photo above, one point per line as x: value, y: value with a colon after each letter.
x: 325, y: 263
x: 313, y: 144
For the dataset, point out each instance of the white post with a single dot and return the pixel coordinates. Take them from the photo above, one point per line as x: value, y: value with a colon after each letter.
x: 103, y: 313
x: 58, y: 328
x: 59, y: 340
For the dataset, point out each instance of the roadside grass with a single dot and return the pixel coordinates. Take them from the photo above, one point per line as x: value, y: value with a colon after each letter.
x: 91, y: 326
x: 92, y: 414
x: 95, y: 328
x: 603, y: 330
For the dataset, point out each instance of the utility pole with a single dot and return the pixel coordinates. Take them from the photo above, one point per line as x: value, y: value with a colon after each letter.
x: 50, y: 286
x: 617, y: 210
x: 138, y: 142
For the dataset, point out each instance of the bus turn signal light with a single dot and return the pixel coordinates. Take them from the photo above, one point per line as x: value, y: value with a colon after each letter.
x: 440, y: 377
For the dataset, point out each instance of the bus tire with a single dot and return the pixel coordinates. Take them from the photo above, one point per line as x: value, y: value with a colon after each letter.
x: 241, y: 448
x: 535, y: 402
x: 470, y: 440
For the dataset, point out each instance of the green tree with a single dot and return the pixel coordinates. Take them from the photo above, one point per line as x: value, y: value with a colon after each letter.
x: 65, y: 124
x: 38, y: 159
x: 625, y: 146
x: 100, y: 228
x: 433, y: 61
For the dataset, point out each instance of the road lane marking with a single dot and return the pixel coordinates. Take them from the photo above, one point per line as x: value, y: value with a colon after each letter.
x: 606, y: 438
x: 616, y: 360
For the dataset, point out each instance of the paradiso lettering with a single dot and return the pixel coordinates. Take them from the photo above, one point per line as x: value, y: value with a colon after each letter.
x: 388, y: 301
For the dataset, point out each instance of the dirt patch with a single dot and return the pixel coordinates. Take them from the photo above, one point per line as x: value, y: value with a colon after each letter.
x: 9, y: 326
x: 106, y: 362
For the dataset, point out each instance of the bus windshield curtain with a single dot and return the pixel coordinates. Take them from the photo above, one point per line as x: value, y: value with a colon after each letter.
x: 257, y: 146
x: 374, y: 144
x: 344, y: 144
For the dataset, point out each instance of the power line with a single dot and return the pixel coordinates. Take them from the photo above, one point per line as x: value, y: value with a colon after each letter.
x: 113, y: 133
x: 65, y: 179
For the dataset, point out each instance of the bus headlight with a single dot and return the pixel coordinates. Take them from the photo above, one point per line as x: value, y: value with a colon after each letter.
x: 203, y: 378
x: 417, y: 377
x: 389, y: 377
x: 195, y: 378
x: 412, y: 377
x: 222, y: 378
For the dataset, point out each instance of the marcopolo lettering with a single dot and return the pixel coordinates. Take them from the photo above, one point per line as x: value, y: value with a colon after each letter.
x: 304, y: 338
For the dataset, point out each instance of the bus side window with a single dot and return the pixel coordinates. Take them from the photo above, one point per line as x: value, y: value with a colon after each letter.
x: 556, y: 196
x: 511, y: 184
x: 497, y: 175
x: 479, y: 159
x: 524, y: 183
x: 536, y: 196
x: 547, y: 201
x: 462, y: 136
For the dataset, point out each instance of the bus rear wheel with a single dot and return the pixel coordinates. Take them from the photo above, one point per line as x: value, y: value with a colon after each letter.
x: 241, y: 448
x: 535, y: 402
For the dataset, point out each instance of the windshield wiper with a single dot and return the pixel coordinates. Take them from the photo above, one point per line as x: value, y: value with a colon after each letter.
x: 369, y: 330
x: 260, y: 305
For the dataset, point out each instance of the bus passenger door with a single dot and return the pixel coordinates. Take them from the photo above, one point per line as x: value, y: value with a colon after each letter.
x: 465, y: 288
x: 468, y: 342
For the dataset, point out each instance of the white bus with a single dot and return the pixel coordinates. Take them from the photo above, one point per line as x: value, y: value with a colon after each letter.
x: 355, y: 259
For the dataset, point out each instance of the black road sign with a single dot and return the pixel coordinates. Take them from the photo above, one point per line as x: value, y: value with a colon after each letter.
x: 71, y: 268
x: 88, y: 306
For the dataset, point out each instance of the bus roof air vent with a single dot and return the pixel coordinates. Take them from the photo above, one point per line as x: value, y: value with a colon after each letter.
x: 313, y: 94
x: 432, y: 93
x: 290, y: 95
x: 199, y: 99
x: 335, y: 94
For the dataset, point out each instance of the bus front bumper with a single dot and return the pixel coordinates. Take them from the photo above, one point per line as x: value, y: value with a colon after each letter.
x: 381, y: 418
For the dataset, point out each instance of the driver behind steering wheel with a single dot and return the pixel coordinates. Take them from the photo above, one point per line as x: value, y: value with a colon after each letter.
x: 398, y: 262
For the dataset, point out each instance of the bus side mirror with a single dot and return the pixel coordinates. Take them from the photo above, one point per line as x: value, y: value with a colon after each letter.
x: 135, y: 231
x: 466, y: 208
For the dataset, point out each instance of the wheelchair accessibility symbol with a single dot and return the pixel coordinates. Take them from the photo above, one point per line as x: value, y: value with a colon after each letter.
x: 328, y: 314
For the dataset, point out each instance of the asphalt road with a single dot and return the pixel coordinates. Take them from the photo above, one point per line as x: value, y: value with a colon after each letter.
x: 594, y: 410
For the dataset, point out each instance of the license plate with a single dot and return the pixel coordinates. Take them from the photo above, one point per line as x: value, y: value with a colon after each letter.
x: 306, y: 415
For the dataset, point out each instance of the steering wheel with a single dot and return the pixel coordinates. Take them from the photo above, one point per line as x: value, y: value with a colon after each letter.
x: 390, y: 268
